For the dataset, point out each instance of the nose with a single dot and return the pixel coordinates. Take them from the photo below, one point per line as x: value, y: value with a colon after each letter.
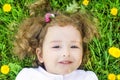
x: 66, y: 52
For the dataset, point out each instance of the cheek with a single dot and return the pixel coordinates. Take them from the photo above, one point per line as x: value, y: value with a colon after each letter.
x: 77, y: 52
x: 49, y: 56
x: 78, y: 55
x: 79, y: 58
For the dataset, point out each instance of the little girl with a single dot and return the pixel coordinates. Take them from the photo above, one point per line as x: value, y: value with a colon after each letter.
x: 59, y: 43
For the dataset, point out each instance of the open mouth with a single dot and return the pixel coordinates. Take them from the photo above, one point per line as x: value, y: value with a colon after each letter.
x: 66, y: 62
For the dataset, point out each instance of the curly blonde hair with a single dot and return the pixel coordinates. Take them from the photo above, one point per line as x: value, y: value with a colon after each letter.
x: 32, y: 31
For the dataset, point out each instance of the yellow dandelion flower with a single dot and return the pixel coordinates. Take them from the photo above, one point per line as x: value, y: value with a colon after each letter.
x: 6, y: 7
x: 118, y: 77
x: 111, y: 76
x: 85, y: 2
x: 115, y: 52
x: 114, y: 11
x: 5, y: 69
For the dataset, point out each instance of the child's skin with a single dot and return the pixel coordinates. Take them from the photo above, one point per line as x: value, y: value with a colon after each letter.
x: 62, y: 50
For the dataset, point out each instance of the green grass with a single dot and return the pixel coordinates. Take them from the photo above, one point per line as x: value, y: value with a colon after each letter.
x: 100, y: 61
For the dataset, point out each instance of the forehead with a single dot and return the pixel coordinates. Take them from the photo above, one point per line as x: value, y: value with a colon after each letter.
x: 62, y: 28
x: 65, y: 32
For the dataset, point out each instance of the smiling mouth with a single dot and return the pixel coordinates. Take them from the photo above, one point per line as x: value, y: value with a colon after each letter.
x: 65, y: 62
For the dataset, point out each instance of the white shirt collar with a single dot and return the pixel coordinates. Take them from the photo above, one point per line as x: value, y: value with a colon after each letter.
x: 55, y: 76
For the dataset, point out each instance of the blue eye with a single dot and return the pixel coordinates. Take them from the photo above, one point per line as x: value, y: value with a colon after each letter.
x: 74, y: 46
x: 56, y: 47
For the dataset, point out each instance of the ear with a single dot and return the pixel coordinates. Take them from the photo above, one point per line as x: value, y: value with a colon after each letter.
x: 39, y: 55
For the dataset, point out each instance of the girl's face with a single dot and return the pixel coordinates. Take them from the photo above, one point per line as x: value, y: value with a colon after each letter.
x: 62, y: 50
